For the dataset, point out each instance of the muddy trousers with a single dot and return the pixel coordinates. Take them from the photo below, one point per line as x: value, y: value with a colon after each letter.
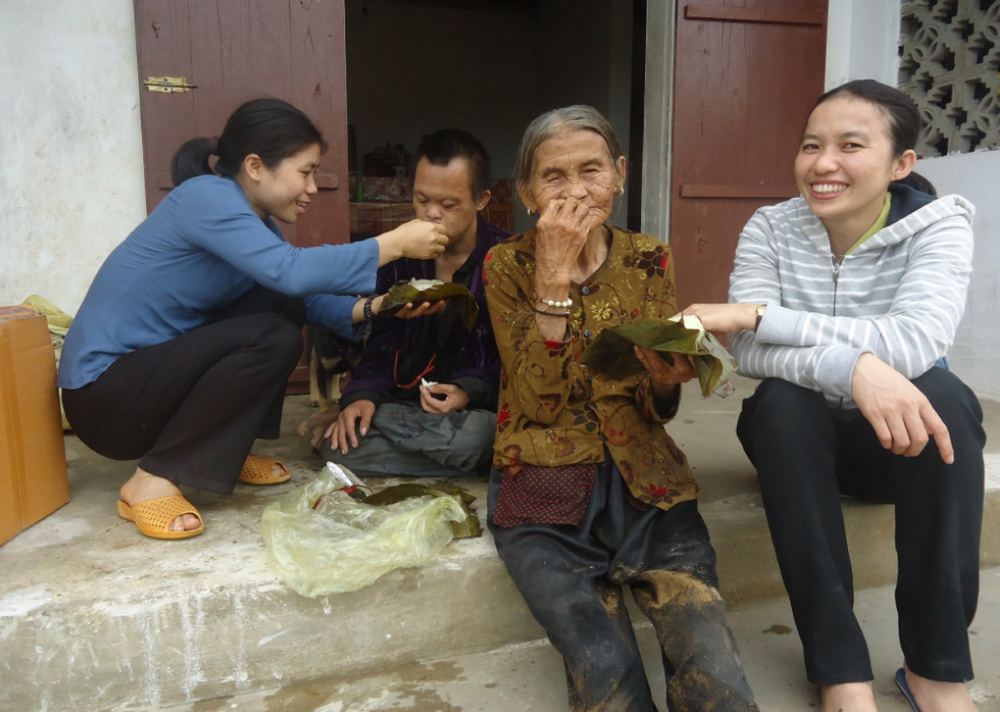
x: 807, y: 455
x: 572, y: 578
x: 192, y: 406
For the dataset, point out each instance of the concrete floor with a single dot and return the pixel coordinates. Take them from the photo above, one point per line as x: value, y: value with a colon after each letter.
x: 529, y: 677
x: 94, y: 616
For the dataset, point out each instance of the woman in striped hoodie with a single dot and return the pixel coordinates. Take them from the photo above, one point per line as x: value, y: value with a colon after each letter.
x: 842, y: 300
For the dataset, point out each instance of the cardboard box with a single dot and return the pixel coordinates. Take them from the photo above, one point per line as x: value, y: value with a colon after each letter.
x: 33, y: 477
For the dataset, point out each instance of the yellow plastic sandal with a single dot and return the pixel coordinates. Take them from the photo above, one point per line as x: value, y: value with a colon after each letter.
x: 257, y: 470
x: 153, y: 518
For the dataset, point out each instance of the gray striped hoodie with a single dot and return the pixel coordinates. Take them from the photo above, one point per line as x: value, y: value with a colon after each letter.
x: 900, y: 295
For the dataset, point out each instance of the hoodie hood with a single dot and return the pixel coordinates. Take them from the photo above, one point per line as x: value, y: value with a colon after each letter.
x: 915, y: 212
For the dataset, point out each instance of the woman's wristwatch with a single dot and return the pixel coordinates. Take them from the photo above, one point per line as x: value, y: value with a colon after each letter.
x: 759, y: 311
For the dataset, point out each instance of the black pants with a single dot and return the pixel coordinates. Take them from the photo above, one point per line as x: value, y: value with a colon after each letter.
x: 807, y: 455
x: 571, y: 579
x: 191, y: 407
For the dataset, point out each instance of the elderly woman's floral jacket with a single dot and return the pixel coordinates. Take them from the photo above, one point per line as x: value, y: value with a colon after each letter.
x: 552, y: 413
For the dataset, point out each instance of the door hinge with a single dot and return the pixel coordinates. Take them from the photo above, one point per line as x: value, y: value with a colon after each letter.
x: 168, y: 85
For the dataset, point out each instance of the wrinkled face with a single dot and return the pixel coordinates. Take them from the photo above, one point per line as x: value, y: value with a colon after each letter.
x: 845, y: 162
x: 575, y: 163
x: 284, y: 191
x: 443, y: 195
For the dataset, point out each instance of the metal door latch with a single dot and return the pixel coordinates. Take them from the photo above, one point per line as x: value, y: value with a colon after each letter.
x: 168, y: 85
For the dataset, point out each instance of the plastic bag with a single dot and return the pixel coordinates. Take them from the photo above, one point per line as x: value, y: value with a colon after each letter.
x: 343, y: 544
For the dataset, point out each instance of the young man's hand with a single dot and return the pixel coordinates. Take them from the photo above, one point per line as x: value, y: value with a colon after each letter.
x: 345, y: 429
x: 411, y: 311
x: 455, y: 398
x: 901, y: 415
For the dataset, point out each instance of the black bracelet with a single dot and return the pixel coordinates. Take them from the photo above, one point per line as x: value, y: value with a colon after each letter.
x: 546, y: 313
x: 369, y: 314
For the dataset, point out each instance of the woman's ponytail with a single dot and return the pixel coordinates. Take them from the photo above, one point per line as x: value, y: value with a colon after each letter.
x: 191, y: 159
x: 271, y: 128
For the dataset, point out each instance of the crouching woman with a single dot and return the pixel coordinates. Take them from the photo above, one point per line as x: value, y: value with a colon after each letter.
x: 183, y: 345
x: 589, y: 493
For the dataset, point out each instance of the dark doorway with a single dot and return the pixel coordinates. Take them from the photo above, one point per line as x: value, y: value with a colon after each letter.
x: 490, y: 67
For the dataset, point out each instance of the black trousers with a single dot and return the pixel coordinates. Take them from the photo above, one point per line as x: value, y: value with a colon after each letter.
x: 191, y: 407
x: 807, y: 455
x: 571, y: 579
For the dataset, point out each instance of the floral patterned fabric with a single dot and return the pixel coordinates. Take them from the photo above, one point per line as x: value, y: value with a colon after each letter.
x: 552, y: 413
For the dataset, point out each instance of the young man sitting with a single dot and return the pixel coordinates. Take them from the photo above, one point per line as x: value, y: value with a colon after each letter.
x: 390, y: 423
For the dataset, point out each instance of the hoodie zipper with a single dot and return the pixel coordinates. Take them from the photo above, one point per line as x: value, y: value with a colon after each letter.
x: 837, y: 263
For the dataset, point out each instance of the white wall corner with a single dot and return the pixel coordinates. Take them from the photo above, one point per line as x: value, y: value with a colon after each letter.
x: 862, y: 41
x: 658, y: 119
x: 70, y: 137
x: 838, y: 42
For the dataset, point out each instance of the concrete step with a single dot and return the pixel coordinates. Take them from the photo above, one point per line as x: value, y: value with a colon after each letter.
x: 529, y: 677
x: 95, y: 616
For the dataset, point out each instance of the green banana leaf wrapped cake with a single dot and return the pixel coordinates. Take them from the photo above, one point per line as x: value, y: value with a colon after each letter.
x: 418, y: 291
x: 611, y: 354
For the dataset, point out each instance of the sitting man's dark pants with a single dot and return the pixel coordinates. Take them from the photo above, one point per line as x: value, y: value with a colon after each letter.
x: 571, y: 579
x: 808, y: 454
x: 406, y: 440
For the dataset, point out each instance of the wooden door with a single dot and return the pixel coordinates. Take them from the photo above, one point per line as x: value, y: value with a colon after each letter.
x: 747, y: 73
x: 232, y: 51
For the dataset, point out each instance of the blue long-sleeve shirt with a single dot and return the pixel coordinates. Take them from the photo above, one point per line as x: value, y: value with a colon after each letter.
x: 199, y: 250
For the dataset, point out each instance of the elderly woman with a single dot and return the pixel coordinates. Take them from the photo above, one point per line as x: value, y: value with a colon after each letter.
x: 589, y: 493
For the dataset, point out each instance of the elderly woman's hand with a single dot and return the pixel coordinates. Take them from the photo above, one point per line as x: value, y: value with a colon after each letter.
x: 664, y: 377
x: 562, y: 231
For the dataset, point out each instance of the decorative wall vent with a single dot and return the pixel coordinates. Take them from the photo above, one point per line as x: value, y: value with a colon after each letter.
x: 949, y: 59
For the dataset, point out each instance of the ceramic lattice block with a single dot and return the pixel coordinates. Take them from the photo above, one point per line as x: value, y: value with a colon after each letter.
x: 949, y: 59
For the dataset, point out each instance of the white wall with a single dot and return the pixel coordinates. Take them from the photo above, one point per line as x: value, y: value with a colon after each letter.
x: 862, y: 40
x: 71, y: 181
x: 973, y: 176
x: 863, y: 43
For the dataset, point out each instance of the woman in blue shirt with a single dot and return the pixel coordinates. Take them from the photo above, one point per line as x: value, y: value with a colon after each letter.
x: 180, y: 352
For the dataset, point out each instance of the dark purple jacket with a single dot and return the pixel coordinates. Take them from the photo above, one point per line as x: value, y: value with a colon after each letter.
x: 438, y: 348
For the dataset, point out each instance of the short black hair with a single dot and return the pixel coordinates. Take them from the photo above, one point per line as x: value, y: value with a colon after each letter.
x: 442, y: 147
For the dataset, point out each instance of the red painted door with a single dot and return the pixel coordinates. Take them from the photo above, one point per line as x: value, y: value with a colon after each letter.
x: 235, y: 50
x: 747, y: 73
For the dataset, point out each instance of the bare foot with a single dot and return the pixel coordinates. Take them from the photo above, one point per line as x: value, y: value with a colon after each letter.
x: 934, y: 696
x: 144, y: 486
x: 316, y: 424
x: 848, y: 697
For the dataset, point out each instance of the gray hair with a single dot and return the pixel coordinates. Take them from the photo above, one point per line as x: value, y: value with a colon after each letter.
x: 578, y: 116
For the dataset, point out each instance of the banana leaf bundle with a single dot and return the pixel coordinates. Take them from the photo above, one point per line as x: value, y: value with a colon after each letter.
x: 418, y: 291
x: 397, y: 493
x: 611, y: 354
